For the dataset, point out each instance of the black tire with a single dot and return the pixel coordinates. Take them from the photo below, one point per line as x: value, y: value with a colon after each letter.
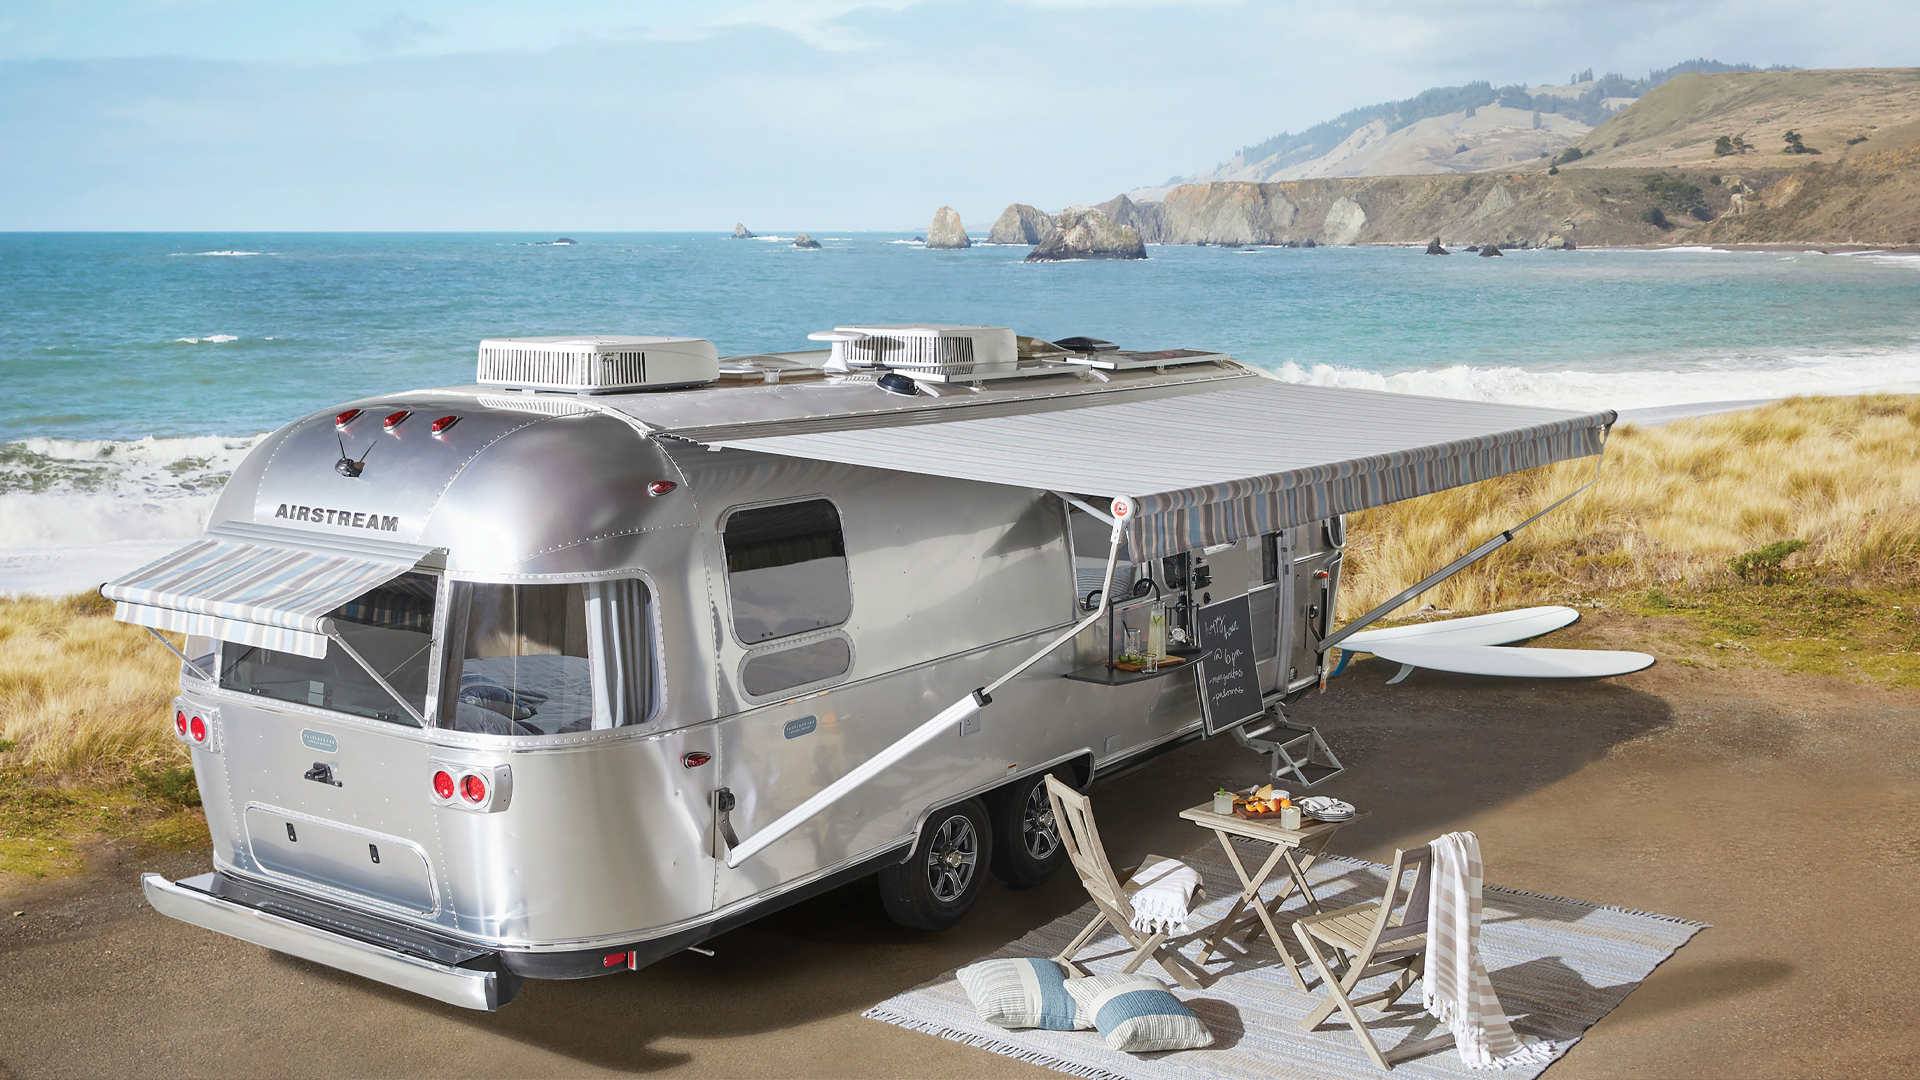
x: 1026, y: 839
x: 933, y: 889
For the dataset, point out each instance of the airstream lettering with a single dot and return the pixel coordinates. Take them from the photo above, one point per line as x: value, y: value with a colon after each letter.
x: 358, y: 519
x: 653, y: 642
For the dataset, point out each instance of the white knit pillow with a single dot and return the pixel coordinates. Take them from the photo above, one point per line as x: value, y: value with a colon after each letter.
x: 1022, y: 992
x: 1135, y: 1013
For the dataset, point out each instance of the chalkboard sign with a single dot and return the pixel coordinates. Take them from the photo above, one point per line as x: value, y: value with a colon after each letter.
x: 1229, y: 685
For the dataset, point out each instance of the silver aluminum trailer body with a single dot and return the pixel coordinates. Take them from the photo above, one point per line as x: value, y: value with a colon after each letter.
x: 342, y: 824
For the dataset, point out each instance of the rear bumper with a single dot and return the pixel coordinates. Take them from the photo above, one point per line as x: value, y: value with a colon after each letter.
x: 439, y: 969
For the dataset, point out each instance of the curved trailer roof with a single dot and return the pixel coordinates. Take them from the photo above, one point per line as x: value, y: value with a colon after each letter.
x: 1210, y: 467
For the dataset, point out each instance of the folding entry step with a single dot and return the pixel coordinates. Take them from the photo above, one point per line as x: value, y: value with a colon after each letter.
x: 1300, y: 755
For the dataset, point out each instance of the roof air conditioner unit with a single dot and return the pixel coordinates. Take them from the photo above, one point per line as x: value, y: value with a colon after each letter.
x: 934, y: 350
x: 597, y: 364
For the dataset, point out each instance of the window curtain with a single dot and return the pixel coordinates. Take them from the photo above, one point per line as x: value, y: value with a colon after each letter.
x: 619, y: 620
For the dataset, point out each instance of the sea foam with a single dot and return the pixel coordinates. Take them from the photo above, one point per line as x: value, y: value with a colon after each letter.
x: 1702, y: 383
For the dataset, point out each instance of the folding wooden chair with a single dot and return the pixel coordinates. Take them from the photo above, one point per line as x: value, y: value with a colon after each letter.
x: 1073, y: 812
x: 1374, y: 938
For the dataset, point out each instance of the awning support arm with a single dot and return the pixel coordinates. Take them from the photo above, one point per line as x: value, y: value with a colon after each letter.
x: 191, y: 666
x: 333, y: 633
x: 919, y: 736
x: 1333, y: 640
x: 1106, y: 517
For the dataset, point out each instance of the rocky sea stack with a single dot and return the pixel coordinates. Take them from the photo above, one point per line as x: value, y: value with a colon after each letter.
x: 947, y: 231
x: 1082, y: 232
x: 1434, y: 248
x: 1021, y: 224
x: 740, y: 232
x: 802, y: 240
x: 1490, y: 249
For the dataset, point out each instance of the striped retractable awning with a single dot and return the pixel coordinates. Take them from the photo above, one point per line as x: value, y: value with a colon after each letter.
x: 253, y: 593
x: 1212, y: 467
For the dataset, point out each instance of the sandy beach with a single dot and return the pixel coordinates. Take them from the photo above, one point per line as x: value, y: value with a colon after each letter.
x: 1773, y: 806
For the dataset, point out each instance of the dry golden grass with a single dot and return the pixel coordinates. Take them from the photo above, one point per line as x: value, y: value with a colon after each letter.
x: 83, y: 699
x: 1672, y: 505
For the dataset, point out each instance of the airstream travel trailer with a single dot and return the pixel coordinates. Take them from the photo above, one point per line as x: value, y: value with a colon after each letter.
x: 566, y: 671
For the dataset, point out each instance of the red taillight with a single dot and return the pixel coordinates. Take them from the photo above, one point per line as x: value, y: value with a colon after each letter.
x: 695, y: 759
x: 661, y: 487
x: 443, y: 784
x: 197, y: 728
x: 443, y: 424
x: 473, y: 789
x: 618, y: 959
x: 345, y: 418
x: 394, y: 420
x: 180, y: 722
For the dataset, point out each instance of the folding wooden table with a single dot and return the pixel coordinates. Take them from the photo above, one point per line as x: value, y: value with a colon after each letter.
x: 1295, y: 848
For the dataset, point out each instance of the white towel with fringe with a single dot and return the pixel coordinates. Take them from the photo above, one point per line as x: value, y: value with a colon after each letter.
x: 1166, y: 896
x: 1455, y: 988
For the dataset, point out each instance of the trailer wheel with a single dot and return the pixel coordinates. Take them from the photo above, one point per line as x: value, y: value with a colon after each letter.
x: 933, y: 889
x: 1026, y: 839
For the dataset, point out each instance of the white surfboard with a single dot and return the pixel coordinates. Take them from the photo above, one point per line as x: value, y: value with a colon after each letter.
x: 1513, y: 663
x: 1498, y: 628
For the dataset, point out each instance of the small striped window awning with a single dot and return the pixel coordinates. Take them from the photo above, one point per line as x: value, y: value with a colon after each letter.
x: 236, y: 585
x: 1212, y: 467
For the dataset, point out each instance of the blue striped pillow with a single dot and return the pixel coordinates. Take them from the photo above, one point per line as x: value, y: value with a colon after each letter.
x: 1135, y: 1013
x: 1021, y: 993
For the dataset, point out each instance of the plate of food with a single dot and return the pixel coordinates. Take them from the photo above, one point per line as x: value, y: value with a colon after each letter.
x: 1263, y: 801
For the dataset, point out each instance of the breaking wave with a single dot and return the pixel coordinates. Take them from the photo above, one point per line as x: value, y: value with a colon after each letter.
x: 210, y: 339
x: 73, y: 493
x: 1742, y: 379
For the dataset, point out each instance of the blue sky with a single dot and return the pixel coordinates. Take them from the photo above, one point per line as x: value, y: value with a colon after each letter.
x: 574, y: 115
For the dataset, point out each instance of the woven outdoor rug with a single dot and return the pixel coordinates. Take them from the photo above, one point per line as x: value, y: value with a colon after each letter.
x: 1558, y: 965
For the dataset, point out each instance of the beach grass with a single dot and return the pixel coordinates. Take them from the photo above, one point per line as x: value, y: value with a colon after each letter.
x: 1672, y: 505
x: 86, y: 752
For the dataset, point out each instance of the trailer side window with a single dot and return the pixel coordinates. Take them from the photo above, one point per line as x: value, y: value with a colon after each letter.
x: 783, y: 668
x: 553, y: 659
x: 786, y: 570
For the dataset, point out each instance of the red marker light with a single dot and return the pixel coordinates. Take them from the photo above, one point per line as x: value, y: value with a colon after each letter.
x: 443, y: 784
x: 345, y: 418
x: 180, y: 722
x: 473, y: 789
x: 696, y: 759
x: 394, y: 420
x: 661, y: 487
x: 443, y: 424
x: 197, y: 728
x: 618, y: 959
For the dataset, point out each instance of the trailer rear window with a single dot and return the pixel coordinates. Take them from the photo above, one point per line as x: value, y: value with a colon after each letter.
x: 391, y: 627
x: 551, y: 659
x: 786, y: 570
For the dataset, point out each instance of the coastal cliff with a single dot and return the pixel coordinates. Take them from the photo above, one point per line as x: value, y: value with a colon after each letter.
x: 1874, y: 199
x: 1810, y: 157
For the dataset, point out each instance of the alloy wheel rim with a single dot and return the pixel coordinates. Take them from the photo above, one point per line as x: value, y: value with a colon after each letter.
x: 1038, y: 829
x: 952, y: 858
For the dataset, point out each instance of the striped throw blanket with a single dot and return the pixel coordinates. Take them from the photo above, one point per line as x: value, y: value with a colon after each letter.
x: 1456, y: 989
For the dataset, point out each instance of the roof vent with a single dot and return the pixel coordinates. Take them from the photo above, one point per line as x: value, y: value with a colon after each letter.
x: 597, y: 364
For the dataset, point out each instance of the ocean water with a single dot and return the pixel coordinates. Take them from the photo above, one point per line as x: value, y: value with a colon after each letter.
x: 139, y: 367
